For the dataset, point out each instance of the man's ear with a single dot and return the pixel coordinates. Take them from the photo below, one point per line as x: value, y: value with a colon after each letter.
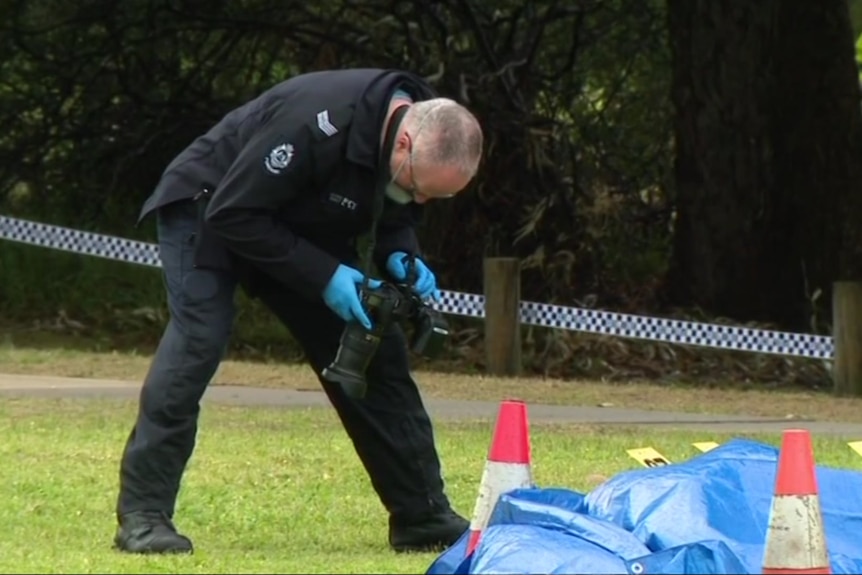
x: 402, y: 141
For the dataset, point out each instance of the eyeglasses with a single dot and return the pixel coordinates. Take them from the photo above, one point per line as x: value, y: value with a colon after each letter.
x: 413, y: 190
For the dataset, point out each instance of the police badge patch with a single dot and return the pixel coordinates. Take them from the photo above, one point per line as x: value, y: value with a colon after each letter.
x: 278, y: 158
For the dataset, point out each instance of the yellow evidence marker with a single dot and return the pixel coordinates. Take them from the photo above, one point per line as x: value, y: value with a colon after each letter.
x: 648, y: 457
x: 705, y: 445
x: 856, y: 446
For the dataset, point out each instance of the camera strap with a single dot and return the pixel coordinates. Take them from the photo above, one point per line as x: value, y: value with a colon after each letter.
x: 384, y: 177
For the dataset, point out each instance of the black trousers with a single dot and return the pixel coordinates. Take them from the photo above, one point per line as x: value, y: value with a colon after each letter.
x: 389, y: 427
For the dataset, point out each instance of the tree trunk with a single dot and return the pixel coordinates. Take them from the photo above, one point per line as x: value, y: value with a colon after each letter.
x: 769, y: 155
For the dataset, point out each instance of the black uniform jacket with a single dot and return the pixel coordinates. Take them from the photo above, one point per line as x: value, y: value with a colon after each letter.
x: 293, y: 175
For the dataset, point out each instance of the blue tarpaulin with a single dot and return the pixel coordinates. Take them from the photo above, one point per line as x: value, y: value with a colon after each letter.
x: 705, y: 515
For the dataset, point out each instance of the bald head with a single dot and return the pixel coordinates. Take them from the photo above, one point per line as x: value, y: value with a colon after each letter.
x: 445, y: 134
x: 436, y: 153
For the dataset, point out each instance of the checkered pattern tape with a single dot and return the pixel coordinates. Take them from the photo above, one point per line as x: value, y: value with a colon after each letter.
x: 473, y: 305
x: 79, y: 242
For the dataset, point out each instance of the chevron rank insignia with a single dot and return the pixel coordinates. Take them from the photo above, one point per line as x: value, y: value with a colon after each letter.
x: 324, y: 124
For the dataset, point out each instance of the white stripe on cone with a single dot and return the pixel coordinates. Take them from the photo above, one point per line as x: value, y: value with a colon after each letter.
x: 497, y: 478
x: 795, y: 541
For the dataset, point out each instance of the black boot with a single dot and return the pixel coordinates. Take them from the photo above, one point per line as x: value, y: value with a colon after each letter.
x: 434, y: 532
x: 150, y: 532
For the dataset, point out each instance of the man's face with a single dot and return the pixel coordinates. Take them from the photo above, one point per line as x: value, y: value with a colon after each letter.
x: 420, y: 183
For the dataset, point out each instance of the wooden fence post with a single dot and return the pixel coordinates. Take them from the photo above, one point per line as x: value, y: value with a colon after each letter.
x: 502, y: 316
x: 847, y: 338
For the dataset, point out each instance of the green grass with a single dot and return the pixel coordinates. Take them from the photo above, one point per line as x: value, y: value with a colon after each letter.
x: 268, y: 490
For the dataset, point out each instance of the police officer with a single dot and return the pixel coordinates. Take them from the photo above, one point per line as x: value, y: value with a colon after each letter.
x: 272, y: 199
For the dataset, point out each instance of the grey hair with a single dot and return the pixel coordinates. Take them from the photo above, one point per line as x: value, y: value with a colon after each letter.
x: 445, y: 133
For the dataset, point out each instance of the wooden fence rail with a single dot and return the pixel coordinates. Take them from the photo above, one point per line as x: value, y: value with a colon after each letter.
x: 502, y: 326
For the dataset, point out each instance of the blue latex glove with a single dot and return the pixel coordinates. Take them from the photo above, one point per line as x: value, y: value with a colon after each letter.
x: 425, y: 285
x: 342, y: 294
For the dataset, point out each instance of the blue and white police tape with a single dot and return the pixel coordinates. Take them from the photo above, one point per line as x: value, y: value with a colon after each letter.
x: 473, y: 305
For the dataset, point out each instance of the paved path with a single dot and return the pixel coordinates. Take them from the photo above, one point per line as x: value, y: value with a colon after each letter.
x: 45, y: 386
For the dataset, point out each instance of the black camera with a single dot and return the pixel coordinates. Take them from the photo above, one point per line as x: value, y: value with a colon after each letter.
x: 384, y: 305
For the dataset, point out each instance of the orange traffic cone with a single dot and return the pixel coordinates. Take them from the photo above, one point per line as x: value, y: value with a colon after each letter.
x: 795, y: 540
x: 507, y: 467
